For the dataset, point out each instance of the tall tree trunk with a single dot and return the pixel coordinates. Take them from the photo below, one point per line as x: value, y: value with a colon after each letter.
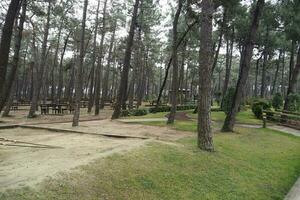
x: 276, y: 73
x: 170, y: 62
x: 99, y: 67
x: 79, y: 80
x: 174, y: 93
x: 256, y: 78
x: 60, y: 69
x: 293, y: 81
x: 38, y: 83
x: 244, y: 67
x: 181, y: 73
x: 263, y: 74
x: 91, y: 88
x: 282, y: 75
x: 6, y: 40
x: 15, y: 62
x: 104, y: 96
x: 9, y: 102
x: 222, y: 27
x: 126, y: 64
x: 229, y: 51
x: 292, y: 62
x: 205, y: 138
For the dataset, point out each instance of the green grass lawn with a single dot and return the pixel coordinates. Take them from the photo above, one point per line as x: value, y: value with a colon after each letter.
x: 243, y: 117
x: 258, y: 164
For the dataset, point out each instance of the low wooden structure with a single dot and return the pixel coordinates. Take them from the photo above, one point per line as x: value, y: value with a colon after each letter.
x: 284, y: 118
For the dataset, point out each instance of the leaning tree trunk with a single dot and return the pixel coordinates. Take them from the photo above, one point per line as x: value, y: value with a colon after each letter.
x: 293, y: 81
x: 124, y: 76
x: 40, y: 75
x: 15, y: 62
x: 6, y: 40
x: 244, y: 68
x: 79, y: 80
x: 174, y: 93
x: 170, y: 62
x: 205, y: 138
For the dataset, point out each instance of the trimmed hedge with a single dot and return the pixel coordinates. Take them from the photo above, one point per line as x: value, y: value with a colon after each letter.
x: 138, y: 112
x: 168, y: 108
x: 259, y: 106
x: 135, y: 112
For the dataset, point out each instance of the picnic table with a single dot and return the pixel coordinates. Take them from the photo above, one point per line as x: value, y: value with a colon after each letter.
x: 56, y: 108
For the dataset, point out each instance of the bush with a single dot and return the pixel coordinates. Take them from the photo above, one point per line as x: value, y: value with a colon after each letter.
x: 168, y: 108
x: 294, y: 102
x: 159, y: 109
x: 125, y: 113
x: 277, y: 101
x: 138, y: 112
x: 227, y: 101
x: 258, y: 107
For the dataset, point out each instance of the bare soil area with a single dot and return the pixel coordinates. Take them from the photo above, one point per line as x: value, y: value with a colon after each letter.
x: 22, y: 166
x: 20, y: 117
x: 109, y: 127
x: 26, y: 166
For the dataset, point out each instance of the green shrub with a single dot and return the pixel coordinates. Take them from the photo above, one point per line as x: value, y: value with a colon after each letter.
x: 168, y: 108
x: 125, y: 113
x: 277, y: 101
x: 138, y: 112
x: 258, y: 107
x: 159, y: 109
x: 294, y: 102
x: 227, y: 101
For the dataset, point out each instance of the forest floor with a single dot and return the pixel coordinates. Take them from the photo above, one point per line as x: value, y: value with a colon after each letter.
x: 148, y: 162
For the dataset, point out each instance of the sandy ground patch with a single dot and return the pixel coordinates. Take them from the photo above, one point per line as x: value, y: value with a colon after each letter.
x: 119, y: 128
x: 20, y: 117
x: 25, y: 166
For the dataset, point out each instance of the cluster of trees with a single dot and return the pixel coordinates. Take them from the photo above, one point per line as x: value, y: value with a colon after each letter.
x: 47, y: 53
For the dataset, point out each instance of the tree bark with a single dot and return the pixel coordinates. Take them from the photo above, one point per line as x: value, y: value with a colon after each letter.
x: 205, y: 138
x: 79, y: 80
x: 229, y: 51
x: 174, y: 93
x: 40, y: 74
x: 170, y: 62
x: 263, y: 75
x: 6, y: 40
x: 256, y: 78
x: 91, y: 88
x: 126, y: 64
x: 104, y: 96
x: 276, y: 73
x: 60, y: 68
x: 15, y: 62
x: 293, y: 81
x: 244, y: 68
x: 223, y: 25
x: 99, y: 66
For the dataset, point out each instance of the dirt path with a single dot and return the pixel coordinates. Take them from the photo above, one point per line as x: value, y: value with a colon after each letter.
x: 26, y: 166
x: 285, y: 129
x: 294, y: 193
